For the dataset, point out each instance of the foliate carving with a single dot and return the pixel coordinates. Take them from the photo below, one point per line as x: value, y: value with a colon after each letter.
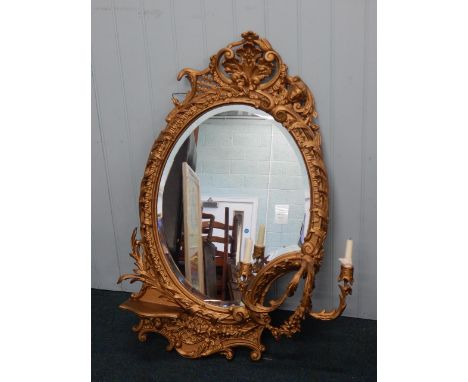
x: 196, y: 337
x: 248, y: 65
x: 143, y: 272
x: 245, y: 72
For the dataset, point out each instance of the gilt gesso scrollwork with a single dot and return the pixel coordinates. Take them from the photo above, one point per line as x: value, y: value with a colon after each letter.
x: 247, y: 72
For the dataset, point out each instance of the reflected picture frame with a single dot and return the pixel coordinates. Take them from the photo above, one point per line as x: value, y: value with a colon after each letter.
x: 193, y: 242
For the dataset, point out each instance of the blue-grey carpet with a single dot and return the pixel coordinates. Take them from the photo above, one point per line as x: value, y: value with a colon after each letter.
x: 341, y: 350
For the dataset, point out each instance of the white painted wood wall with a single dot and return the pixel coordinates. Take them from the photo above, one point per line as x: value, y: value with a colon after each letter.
x: 138, y: 47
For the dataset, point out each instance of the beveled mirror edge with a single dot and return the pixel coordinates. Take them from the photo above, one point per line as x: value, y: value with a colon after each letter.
x: 197, y: 123
x: 253, y: 75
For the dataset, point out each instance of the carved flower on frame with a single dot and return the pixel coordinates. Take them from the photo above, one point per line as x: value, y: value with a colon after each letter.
x: 248, y: 68
x: 249, y: 36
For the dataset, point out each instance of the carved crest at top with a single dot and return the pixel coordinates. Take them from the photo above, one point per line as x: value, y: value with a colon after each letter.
x: 249, y: 64
x: 249, y: 71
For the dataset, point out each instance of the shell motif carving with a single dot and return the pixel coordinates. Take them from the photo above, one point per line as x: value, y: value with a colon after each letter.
x: 245, y: 72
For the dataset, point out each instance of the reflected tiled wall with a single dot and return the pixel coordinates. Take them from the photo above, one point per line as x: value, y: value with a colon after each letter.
x: 253, y: 158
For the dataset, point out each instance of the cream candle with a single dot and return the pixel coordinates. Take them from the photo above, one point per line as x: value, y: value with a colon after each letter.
x: 261, y: 236
x: 349, y: 250
x: 347, y: 261
x: 247, y: 258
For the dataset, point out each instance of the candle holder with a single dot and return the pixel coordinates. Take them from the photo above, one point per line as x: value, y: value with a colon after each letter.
x: 259, y: 258
x: 346, y: 275
x: 244, y: 274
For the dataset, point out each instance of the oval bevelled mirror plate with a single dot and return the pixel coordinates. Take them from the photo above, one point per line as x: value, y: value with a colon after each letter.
x: 234, y: 177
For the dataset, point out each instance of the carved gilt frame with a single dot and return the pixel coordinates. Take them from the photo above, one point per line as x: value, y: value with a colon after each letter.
x: 248, y: 72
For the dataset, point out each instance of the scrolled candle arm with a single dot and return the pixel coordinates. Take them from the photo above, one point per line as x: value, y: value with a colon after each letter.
x: 347, y: 276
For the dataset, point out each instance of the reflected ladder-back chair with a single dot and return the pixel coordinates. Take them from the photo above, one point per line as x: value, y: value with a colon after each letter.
x: 228, y: 239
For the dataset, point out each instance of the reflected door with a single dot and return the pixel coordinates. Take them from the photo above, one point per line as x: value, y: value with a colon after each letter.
x: 247, y: 207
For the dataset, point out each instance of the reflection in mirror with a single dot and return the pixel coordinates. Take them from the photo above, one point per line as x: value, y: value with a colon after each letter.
x: 234, y: 177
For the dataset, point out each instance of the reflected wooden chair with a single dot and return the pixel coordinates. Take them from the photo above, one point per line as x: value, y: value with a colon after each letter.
x: 228, y: 239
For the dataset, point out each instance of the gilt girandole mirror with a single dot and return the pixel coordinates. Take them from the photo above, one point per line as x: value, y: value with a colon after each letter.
x: 234, y: 197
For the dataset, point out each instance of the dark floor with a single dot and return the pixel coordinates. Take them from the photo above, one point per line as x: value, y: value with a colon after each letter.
x: 340, y: 350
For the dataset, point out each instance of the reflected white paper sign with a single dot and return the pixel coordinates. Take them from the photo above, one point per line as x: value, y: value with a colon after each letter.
x: 281, y: 213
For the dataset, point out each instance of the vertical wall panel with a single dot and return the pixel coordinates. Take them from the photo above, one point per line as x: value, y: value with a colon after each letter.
x: 114, y: 128
x: 138, y: 48
x: 189, y: 27
x: 249, y: 15
x: 219, y: 23
x: 367, y: 261
x: 105, y: 263
x: 163, y: 57
x: 283, y: 33
x: 348, y: 74
x: 136, y: 80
